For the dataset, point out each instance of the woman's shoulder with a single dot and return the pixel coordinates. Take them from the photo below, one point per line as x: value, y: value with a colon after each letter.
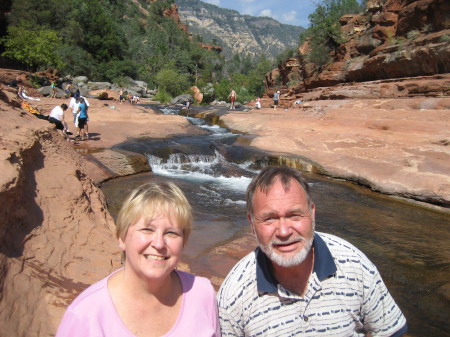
x: 191, y: 282
x: 92, y: 294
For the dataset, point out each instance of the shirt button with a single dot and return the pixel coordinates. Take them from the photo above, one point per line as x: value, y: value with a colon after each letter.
x: 305, y: 318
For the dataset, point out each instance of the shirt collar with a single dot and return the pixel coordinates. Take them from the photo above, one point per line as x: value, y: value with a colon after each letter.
x: 324, y: 266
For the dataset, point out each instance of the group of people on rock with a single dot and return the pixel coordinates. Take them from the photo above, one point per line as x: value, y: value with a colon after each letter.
x: 296, y: 282
x: 133, y: 99
x: 232, y: 96
x: 79, y: 106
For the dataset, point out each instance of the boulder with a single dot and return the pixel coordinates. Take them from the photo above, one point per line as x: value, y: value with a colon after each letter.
x: 197, y: 94
x: 98, y: 85
x: 182, y: 99
x: 79, y: 79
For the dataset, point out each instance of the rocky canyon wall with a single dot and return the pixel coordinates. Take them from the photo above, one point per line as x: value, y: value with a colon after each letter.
x: 392, y: 39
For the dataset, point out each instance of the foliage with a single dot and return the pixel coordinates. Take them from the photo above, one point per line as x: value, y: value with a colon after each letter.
x: 112, y: 40
x: 162, y: 96
x: 248, y: 85
x: 32, y: 48
x: 324, y: 31
x: 285, y: 55
x: 413, y: 34
x: 172, y: 82
x: 445, y: 38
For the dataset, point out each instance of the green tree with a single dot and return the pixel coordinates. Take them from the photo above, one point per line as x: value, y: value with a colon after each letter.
x: 324, y: 31
x: 171, y: 81
x: 35, y: 49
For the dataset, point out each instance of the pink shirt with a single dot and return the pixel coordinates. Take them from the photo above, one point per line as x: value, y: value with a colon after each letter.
x: 93, y: 313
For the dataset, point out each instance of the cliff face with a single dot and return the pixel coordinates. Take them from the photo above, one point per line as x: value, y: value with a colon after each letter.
x: 54, y: 224
x: 392, y: 39
x: 236, y: 33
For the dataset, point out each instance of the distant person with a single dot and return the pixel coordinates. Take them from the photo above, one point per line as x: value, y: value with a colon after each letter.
x: 57, y: 117
x: 21, y: 92
x: 136, y: 99
x: 82, y: 119
x: 53, y: 89
x: 121, y: 96
x: 232, y: 97
x: 187, y: 105
x: 258, y: 103
x: 73, y: 104
x: 300, y: 282
x: 68, y: 90
x: 276, y: 97
x: 148, y: 296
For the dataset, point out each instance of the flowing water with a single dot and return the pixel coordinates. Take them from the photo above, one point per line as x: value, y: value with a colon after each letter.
x: 409, y: 244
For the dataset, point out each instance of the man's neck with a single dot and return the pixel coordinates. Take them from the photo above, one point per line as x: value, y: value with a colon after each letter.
x: 295, y: 278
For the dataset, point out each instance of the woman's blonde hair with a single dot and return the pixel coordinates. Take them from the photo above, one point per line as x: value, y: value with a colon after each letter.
x: 151, y: 200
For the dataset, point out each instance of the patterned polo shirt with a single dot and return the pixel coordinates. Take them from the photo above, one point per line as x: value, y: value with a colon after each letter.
x: 345, y: 297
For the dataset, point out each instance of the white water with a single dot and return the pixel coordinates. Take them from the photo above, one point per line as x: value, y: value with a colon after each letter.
x: 198, y: 168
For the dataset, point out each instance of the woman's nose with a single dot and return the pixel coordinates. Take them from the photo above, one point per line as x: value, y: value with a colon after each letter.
x: 158, y: 241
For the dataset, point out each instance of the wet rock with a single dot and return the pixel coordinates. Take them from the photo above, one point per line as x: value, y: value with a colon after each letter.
x: 182, y: 99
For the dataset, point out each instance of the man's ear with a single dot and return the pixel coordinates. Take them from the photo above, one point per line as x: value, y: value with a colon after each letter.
x: 313, y: 211
x: 252, y: 225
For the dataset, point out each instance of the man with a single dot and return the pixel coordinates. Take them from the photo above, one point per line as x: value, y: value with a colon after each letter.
x: 57, y: 117
x: 276, y: 97
x: 298, y: 281
x: 232, y: 97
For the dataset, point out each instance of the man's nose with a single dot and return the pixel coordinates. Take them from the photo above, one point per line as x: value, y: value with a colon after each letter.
x: 284, y: 227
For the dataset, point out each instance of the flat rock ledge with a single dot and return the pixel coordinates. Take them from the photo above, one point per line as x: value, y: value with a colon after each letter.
x: 398, y: 147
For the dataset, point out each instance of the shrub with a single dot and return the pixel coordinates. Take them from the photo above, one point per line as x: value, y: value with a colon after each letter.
x: 413, y: 34
x: 163, y: 97
x: 172, y: 82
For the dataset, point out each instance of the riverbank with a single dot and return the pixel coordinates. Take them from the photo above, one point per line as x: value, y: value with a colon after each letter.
x: 398, y: 147
x: 56, y: 233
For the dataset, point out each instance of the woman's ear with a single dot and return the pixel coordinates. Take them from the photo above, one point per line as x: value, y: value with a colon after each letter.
x: 121, y: 244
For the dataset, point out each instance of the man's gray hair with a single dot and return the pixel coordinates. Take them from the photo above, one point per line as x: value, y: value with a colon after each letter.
x: 265, y: 179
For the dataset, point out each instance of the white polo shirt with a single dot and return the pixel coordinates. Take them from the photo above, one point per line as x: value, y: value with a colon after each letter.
x: 345, y: 297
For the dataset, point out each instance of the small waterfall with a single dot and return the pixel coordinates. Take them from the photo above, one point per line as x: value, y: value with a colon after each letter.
x: 203, y: 168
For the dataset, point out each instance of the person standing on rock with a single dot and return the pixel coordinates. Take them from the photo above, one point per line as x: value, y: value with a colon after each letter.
x: 57, y: 117
x: 299, y: 281
x: 276, y: 97
x: 148, y: 296
x: 232, y: 97
x: 82, y: 119
x: 53, y: 89
x: 74, y: 104
x: 258, y: 103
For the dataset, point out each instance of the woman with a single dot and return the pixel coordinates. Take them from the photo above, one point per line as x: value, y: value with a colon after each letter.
x: 82, y: 119
x: 148, y: 296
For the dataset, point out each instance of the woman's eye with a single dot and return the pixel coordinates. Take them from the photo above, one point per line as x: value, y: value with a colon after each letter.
x: 173, y: 234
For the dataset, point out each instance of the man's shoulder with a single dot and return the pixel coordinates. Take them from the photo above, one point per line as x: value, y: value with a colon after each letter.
x: 344, y: 252
x: 243, y: 272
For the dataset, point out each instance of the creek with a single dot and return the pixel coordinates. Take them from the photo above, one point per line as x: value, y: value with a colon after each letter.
x: 409, y: 244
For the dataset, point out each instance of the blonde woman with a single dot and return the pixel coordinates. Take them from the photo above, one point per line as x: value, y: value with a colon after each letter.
x: 148, y: 296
